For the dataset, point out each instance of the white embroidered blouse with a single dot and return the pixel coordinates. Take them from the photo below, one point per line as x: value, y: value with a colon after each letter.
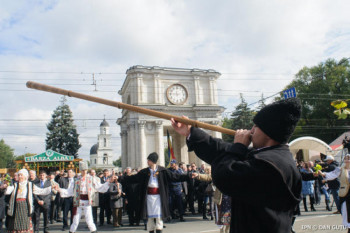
x: 22, y: 190
x: 69, y: 192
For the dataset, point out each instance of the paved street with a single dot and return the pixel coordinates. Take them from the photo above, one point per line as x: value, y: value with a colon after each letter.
x: 321, y: 221
x: 193, y: 224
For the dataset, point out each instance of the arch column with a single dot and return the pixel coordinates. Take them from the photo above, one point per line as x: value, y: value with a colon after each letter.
x: 124, y: 137
x: 213, y: 94
x: 131, y: 147
x: 142, y: 142
x: 196, y: 90
x: 215, y: 134
x: 183, y: 149
x: 160, y: 142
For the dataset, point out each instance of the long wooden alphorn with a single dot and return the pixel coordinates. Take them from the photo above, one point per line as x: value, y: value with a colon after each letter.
x: 47, y: 88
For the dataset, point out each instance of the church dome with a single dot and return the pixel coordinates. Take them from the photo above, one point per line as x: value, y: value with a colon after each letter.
x: 94, y: 149
x: 104, y: 123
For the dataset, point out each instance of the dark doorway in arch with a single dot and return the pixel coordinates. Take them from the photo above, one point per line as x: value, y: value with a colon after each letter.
x: 299, y: 156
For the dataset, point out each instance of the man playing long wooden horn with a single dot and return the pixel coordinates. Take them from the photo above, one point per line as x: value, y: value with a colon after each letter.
x: 264, y: 183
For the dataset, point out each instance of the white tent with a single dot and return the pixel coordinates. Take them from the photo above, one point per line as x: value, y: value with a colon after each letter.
x: 310, y: 146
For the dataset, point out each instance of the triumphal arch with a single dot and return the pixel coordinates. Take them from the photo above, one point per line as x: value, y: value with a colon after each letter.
x: 177, y: 91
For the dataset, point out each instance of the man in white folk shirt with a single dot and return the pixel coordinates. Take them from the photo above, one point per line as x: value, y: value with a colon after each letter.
x: 154, y: 185
x: 81, y: 192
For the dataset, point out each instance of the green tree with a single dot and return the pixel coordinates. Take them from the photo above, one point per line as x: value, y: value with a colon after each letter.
x: 21, y: 157
x: 118, y: 162
x: 62, y: 136
x: 227, y: 123
x: 261, y: 103
x: 241, y: 118
x: 316, y: 87
x: 6, y: 155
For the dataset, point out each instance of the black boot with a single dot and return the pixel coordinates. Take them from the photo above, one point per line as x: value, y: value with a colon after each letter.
x: 305, y: 206
x: 293, y: 220
x: 158, y: 231
x: 327, y: 206
x: 312, y: 201
x: 204, y: 209
x: 151, y: 232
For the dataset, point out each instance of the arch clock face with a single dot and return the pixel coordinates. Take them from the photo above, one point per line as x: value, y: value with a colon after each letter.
x: 177, y: 94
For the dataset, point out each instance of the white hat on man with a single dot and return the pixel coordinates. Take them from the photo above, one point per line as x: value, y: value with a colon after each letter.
x: 329, y: 157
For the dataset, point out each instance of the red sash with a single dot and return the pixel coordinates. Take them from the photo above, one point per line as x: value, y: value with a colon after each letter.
x: 152, y: 191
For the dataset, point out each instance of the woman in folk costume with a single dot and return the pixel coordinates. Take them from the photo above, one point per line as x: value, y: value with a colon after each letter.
x: 344, y: 194
x: 82, y: 191
x: 222, y: 204
x: 21, y: 203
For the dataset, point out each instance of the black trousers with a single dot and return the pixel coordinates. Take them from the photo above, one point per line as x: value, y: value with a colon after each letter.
x: 134, y: 213
x: 1, y: 225
x: 52, y: 211
x: 67, y: 207
x: 200, y: 203
x: 37, y: 211
x: 59, y: 205
x: 190, y: 201
x: 105, y: 207
x: 94, y: 214
x: 176, y: 203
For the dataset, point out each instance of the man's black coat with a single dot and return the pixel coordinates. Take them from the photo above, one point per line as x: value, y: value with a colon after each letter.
x: 132, y: 192
x: 164, y: 178
x: 265, y: 185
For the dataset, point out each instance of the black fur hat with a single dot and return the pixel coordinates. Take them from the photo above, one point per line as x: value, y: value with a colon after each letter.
x: 278, y: 120
x: 153, y: 157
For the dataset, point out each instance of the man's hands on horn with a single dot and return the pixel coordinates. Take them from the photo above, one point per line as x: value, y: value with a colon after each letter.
x: 243, y: 136
x: 181, y: 128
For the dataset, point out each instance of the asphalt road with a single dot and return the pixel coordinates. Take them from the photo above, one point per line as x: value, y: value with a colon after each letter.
x: 321, y: 221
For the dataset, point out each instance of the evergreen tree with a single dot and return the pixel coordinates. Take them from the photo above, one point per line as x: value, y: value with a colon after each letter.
x: 241, y: 118
x: 6, y: 155
x: 62, y: 136
x: 227, y: 123
x: 261, y: 102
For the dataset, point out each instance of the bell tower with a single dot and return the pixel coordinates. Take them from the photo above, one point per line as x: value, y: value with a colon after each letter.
x: 101, y: 154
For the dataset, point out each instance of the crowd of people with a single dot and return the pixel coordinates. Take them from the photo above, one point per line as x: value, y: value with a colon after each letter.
x: 121, y: 198
x: 246, y: 189
x: 315, y: 188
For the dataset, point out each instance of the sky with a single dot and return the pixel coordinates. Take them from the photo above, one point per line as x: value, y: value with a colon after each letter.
x: 257, y: 46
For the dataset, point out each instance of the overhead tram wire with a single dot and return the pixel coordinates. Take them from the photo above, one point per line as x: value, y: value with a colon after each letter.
x: 190, y: 89
x: 82, y: 72
x: 220, y: 90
